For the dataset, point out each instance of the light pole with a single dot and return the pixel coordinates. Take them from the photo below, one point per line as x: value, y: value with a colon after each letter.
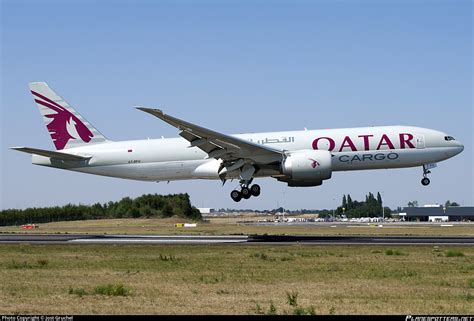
x: 383, y: 209
x: 333, y: 215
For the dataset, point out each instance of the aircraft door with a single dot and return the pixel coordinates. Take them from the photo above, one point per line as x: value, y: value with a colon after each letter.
x: 420, y: 141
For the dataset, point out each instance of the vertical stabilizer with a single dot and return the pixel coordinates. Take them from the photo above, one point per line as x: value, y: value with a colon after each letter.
x: 66, y: 126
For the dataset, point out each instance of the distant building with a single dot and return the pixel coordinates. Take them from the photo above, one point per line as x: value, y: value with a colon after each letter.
x: 205, y: 210
x: 438, y: 213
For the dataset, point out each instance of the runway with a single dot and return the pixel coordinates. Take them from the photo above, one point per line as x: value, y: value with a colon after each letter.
x: 232, y: 239
x: 366, y: 240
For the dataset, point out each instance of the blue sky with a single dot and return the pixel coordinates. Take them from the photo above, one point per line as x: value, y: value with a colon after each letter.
x: 244, y: 66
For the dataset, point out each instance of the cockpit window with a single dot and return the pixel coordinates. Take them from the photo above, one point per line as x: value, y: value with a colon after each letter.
x: 448, y: 138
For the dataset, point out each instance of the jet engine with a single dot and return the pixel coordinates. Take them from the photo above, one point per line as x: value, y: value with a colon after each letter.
x: 306, y: 168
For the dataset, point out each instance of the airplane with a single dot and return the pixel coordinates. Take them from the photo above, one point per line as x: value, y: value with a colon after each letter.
x: 298, y: 158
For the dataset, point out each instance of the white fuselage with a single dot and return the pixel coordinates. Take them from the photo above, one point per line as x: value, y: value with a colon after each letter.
x: 351, y: 149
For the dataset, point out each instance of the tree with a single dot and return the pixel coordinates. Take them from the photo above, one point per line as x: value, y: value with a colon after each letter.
x: 344, y: 201
x: 448, y: 204
x: 413, y: 204
x: 388, y: 212
x: 370, y: 207
x: 349, y: 203
x: 379, y: 199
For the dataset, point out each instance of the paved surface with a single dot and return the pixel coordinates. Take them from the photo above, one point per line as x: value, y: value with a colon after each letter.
x: 407, y: 240
x: 230, y: 239
x: 117, y: 239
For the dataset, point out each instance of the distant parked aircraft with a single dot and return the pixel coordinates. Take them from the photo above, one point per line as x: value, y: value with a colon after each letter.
x: 298, y: 158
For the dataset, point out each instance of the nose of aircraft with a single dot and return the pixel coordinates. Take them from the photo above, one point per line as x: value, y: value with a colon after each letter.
x: 459, y: 147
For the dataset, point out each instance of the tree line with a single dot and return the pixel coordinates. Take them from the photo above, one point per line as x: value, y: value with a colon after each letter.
x: 371, y: 207
x: 145, y: 206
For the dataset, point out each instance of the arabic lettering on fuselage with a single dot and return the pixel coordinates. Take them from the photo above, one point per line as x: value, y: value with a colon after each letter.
x: 283, y: 140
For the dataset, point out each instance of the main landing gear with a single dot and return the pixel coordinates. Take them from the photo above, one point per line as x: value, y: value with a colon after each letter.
x: 425, y: 181
x: 245, y: 192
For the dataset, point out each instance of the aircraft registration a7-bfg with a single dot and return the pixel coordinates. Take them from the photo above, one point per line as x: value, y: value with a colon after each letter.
x: 298, y: 158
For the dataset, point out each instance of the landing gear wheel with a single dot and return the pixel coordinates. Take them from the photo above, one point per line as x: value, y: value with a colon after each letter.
x: 236, y: 196
x: 425, y: 181
x: 255, y: 190
x: 245, y: 192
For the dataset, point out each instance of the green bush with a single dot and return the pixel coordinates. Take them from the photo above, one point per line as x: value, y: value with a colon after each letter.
x: 42, y: 262
x: 454, y: 253
x: 112, y: 290
x: 471, y: 283
x: 167, y: 258
x: 292, y: 298
x: 79, y: 292
x: 272, y: 310
x: 393, y: 252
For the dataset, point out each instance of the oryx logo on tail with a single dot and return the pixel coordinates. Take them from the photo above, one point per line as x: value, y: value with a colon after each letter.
x: 63, y: 123
x: 66, y: 127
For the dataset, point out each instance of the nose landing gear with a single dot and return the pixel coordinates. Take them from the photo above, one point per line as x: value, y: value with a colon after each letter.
x: 425, y: 181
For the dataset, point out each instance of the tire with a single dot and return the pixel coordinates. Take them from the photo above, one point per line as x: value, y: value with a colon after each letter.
x: 255, y: 190
x: 246, y: 193
x: 236, y: 196
x: 425, y: 181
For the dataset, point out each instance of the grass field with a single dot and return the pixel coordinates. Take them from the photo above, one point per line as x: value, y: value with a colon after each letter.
x: 158, y: 279
x: 217, y: 226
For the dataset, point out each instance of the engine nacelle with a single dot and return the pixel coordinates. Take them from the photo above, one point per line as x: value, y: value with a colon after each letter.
x: 306, y: 167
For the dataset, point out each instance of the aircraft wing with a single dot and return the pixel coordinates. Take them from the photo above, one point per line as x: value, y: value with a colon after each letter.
x: 218, y: 145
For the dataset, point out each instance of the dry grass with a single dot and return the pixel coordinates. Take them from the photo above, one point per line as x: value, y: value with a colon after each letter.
x: 231, y: 225
x: 237, y: 279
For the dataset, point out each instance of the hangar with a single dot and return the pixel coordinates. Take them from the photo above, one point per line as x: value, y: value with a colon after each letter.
x: 438, y: 213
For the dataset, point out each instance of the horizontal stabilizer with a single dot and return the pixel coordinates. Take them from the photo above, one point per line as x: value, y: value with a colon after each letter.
x: 51, y: 154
